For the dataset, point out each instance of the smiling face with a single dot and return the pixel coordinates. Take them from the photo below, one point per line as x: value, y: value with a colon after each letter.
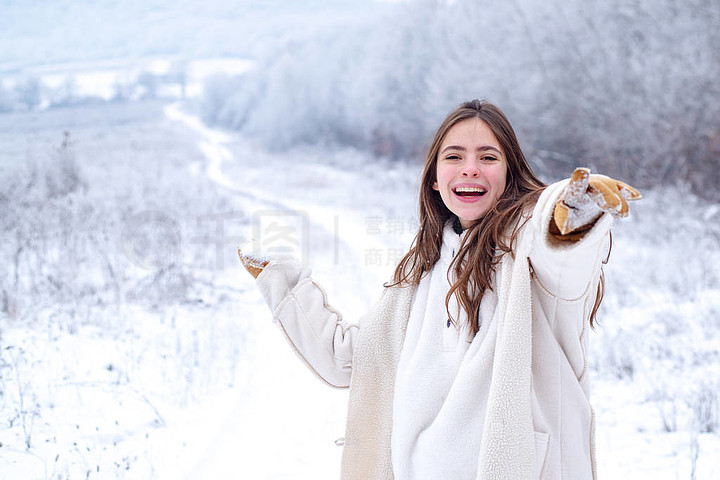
x: 471, y: 170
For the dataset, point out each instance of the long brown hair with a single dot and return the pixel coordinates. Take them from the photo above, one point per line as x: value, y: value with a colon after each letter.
x: 489, y: 237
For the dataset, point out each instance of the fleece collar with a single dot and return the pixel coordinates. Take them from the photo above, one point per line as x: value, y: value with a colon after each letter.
x: 451, y: 242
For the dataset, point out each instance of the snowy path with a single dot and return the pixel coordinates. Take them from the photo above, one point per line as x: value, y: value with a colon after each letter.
x: 337, y: 237
x: 213, y: 146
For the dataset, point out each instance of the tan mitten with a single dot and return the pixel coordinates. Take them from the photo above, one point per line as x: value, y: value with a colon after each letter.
x: 587, y: 197
x: 252, y: 264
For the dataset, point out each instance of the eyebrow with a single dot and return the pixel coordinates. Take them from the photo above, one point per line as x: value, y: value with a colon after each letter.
x: 463, y: 149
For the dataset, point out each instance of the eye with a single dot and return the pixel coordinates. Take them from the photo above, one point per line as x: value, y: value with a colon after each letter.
x: 489, y: 158
x: 452, y: 157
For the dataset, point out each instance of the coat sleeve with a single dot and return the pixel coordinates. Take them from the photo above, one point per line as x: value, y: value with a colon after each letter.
x: 565, y: 269
x: 316, y: 331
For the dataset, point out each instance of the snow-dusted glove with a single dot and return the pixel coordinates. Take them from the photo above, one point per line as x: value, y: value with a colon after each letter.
x: 252, y: 264
x: 587, y: 197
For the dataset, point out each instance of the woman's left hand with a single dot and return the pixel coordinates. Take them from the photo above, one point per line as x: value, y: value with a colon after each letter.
x: 588, y: 196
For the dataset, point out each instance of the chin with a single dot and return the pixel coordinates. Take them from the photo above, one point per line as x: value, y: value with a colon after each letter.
x: 467, y: 220
x: 471, y: 216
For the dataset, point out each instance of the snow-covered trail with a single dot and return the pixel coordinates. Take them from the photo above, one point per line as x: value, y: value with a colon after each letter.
x: 213, y: 144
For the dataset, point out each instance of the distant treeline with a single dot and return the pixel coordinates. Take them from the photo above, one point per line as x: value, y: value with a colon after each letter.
x: 628, y: 87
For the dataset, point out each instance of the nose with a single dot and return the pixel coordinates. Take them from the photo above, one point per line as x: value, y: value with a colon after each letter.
x: 470, y: 169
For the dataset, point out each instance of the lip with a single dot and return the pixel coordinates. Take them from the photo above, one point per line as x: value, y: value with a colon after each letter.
x: 469, y: 199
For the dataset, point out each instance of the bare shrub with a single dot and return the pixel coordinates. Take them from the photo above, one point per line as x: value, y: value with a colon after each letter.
x: 615, y: 354
x: 65, y: 177
x: 704, y: 400
x: 18, y: 391
x: 29, y: 93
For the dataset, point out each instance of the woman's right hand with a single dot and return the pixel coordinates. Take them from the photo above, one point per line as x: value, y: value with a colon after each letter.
x: 252, y: 264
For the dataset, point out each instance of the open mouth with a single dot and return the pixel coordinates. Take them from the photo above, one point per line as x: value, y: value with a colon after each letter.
x: 469, y: 191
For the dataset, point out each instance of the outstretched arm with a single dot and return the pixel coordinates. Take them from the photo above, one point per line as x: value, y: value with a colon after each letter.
x: 572, y: 219
x: 316, y: 331
x: 585, y: 199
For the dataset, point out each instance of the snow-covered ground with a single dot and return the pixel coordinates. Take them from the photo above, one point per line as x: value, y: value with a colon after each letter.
x: 134, y: 346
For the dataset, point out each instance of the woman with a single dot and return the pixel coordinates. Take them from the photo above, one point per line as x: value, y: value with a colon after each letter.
x: 472, y: 364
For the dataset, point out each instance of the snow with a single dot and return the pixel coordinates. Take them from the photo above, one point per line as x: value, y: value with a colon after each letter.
x: 133, y: 345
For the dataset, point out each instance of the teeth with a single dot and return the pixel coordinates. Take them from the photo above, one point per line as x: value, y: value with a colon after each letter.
x: 470, y: 190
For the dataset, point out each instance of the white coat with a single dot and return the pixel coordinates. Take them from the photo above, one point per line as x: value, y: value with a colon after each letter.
x: 534, y: 386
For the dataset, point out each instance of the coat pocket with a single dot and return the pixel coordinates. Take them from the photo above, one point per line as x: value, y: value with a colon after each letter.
x: 541, y: 447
